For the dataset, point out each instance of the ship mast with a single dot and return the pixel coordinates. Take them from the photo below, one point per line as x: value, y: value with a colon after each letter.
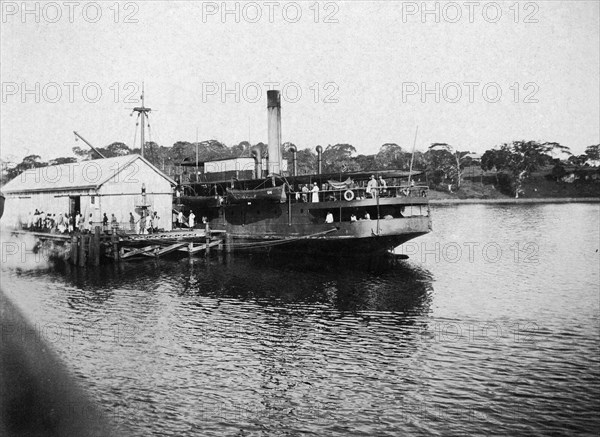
x: 143, y: 114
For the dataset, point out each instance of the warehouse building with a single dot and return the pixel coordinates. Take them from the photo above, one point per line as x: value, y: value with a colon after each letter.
x: 97, y: 187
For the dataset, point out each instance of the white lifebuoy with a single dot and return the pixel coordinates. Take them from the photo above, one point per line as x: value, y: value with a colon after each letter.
x: 349, y: 195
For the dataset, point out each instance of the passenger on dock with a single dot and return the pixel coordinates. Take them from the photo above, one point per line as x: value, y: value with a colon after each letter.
x: 105, y: 223
x: 329, y: 217
x: 113, y: 222
x: 315, y: 193
x: 191, y: 219
x: 372, y: 187
x: 63, y: 223
x: 81, y: 223
x: 180, y: 219
x: 305, y: 192
x: 156, y: 222
x: 150, y: 227
x: 143, y: 223
x: 131, y: 222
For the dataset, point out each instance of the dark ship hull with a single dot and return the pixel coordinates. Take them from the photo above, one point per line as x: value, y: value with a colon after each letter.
x: 262, y: 225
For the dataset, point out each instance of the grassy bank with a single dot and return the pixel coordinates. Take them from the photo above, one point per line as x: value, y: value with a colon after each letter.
x: 537, y: 189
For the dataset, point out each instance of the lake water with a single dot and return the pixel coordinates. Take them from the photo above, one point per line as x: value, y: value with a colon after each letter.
x: 491, y: 327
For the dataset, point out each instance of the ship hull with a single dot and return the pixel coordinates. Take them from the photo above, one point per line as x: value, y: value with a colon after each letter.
x: 359, y: 227
x: 360, y: 238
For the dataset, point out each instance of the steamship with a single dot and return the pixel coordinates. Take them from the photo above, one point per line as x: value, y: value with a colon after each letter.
x: 263, y: 206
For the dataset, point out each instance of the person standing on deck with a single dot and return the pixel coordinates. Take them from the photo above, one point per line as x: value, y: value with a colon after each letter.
x: 383, y: 186
x: 372, y: 187
x: 315, y: 193
x: 191, y: 218
x: 180, y: 219
x: 305, y: 192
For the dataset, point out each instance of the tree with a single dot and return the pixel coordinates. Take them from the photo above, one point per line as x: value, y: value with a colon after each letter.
x: 593, y: 152
x: 577, y: 160
x: 28, y: 163
x: 63, y: 160
x: 338, y: 158
x: 439, y: 165
x: 307, y: 161
x: 181, y: 150
x: 114, y: 149
x: 391, y: 155
x: 497, y: 160
x: 558, y: 171
x: 366, y: 162
x: 459, y: 160
x: 520, y: 159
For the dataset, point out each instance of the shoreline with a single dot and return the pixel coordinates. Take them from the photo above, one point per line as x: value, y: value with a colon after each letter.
x: 515, y: 201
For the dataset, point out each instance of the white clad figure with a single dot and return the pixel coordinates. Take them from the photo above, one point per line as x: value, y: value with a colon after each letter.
x: 315, y: 192
x: 156, y: 221
x: 191, y: 219
x: 180, y: 219
x: 372, y: 187
x: 329, y: 217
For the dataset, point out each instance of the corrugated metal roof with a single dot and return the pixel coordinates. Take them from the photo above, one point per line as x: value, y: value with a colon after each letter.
x: 82, y: 175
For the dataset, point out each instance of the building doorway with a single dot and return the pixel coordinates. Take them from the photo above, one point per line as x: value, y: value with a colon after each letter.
x: 74, y: 205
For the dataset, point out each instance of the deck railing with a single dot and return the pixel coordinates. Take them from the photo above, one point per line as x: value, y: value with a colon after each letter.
x: 359, y: 193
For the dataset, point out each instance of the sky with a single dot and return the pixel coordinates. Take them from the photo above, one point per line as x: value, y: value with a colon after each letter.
x: 470, y: 74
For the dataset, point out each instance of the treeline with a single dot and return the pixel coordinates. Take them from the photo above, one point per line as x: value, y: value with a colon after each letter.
x: 441, y: 163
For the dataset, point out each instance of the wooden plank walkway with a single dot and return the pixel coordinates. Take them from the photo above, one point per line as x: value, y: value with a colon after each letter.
x: 121, y: 246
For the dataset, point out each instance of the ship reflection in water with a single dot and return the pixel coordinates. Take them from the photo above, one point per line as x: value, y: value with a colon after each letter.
x: 239, y: 342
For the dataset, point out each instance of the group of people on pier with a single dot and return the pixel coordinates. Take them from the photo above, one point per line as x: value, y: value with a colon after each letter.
x: 40, y: 221
x: 180, y: 221
x: 147, y: 223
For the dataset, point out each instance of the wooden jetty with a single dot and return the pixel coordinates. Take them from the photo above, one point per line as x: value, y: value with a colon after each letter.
x: 92, y: 248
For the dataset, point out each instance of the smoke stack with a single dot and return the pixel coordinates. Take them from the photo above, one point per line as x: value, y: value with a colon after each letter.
x: 255, y: 153
x: 294, y: 151
x: 274, y: 117
x: 319, y: 159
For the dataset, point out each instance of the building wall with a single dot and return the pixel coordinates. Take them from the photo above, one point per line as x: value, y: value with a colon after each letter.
x: 120, y: 195
x: 18, y: 206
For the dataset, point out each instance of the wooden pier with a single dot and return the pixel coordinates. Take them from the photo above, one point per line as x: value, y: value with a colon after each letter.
x: 92, y: 248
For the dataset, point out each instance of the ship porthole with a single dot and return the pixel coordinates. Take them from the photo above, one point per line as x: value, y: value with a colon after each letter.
x: 349, y: 195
